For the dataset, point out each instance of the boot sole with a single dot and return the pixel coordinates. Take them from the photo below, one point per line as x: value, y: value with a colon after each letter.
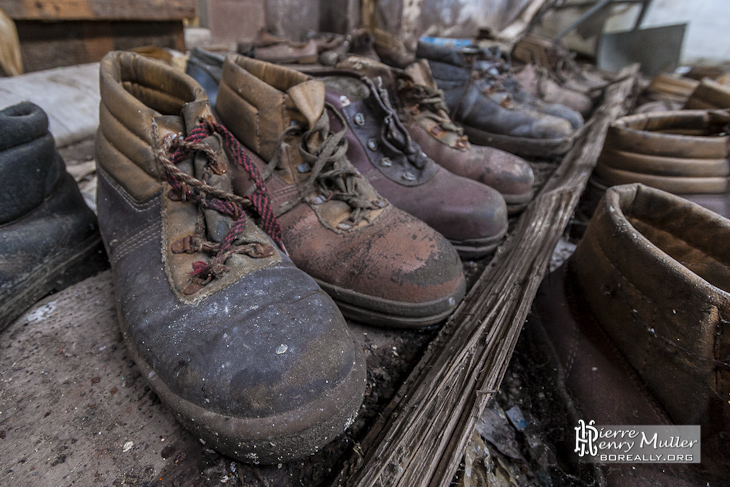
x: 85, y: 260
x: 477, y: 247
x: 266, y: 440
x: 387, y: 313
x: 517, y: 202
x: 522, y: 146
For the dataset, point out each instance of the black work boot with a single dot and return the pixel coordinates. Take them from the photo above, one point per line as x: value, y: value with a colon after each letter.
x: 483, y: 101
x: 249, y: 353
x: 48, y: 236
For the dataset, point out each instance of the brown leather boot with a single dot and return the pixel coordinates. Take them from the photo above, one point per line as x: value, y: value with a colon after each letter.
x: 685, y: 152
x: 637, y: 322
x: 422, y: 110
x: 471, y: 215
x: 381, y: 265
x: 539, y: 83
x: 248, y: 352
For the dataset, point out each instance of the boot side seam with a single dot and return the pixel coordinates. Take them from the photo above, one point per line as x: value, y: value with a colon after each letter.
x: 145, y: 235
x: 138, y: 207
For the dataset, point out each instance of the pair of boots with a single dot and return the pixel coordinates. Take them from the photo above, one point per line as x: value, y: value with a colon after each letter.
x: 247, y: 349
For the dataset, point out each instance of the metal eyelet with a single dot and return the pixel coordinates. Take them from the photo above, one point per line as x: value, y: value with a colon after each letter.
x: 409, y: 176
x: 385, y: 162
x: 373, y: 144
x: 359, y: 119
x: 343, y: 226
x: 344, y: 101
x: 318, y: 200
x: 303, y: 167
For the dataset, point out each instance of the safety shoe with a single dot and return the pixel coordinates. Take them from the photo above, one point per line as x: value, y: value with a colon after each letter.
x: 636, y: 321
x: 381, y: 265
x: 486, y: 104
x: 422, y: 110
x: 48, y: 236
x: 248, y: 352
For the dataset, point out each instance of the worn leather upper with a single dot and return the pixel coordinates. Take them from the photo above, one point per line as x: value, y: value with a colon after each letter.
x: 389, y: 254
x: 682, y: 152
x: 655, y: 273
x: 478, y: 102
x: 461, y: 209
x: 261, y: 341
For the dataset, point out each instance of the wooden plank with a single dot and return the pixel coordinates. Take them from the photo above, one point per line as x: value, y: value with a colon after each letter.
x: 46, y: 45
x: 421, y: 437
x: 99, y: 9
x: 70, y: 97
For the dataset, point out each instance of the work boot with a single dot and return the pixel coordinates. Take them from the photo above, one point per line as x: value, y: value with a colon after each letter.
x: 205, y: 67
x: 478, y: 98
x: 421, y: 109
x: 471, y: 215
x: 248, y: 352
x: 381, y: 265
x: 492, y: 64
x: 636, y: 319
x: 685, y: 152
x: 48, y: 236
x: 539, y: 83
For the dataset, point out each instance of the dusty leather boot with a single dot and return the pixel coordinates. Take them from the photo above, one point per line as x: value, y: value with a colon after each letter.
x: 538, y: 82
x: 48, y: 236
x: 685, y: 152
x: 471, y: 215
x: 488, y: 111
x: 381, y: 265
x: 636, y: 319
x: 248, y: 352
x: 422, y: 111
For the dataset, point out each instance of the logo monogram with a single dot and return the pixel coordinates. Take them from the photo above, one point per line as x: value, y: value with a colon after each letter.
x: 585, y: 437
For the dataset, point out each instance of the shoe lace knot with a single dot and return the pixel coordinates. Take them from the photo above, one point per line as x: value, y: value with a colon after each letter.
x: 174, y: 150
x: 331, y: 176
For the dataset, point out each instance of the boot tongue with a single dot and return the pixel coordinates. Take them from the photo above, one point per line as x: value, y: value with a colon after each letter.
x: 420, y: 72
x: 308, y: 98
x: 217, y: 225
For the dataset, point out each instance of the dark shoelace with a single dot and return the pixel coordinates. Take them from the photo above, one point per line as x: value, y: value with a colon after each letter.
x: 331, y: 174
x: 432, y: 100
x: 394, y: 135
x: 185, y: 186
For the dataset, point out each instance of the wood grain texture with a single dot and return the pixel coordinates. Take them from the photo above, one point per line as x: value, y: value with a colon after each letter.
x: 99, y: 9
x: 421, y: 437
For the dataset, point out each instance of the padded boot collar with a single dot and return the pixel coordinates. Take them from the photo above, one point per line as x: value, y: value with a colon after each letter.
x: 655, y: 271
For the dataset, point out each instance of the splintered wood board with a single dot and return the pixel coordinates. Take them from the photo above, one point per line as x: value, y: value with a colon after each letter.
x: 69, y: 96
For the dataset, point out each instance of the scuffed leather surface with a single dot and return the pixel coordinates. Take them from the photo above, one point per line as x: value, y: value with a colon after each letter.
x: 458, y: 208
x: 220, y: 352
x: 394, y: 257
x: 27, y: 157
x: 476, y: 105
x: 600, y: 384
x: 655, y: 273
x: 255, y: 343
x: 507, y: 173
x: 42, y: 214
x: 682, y: 152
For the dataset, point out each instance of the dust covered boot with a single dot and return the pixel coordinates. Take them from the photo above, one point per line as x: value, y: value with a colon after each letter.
x: 380, y: 264
x: 48, y: 236
x: 248, y: 352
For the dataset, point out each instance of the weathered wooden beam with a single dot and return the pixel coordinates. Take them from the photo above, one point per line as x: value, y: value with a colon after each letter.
x: 53, y: 10
x: 421, y: 436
